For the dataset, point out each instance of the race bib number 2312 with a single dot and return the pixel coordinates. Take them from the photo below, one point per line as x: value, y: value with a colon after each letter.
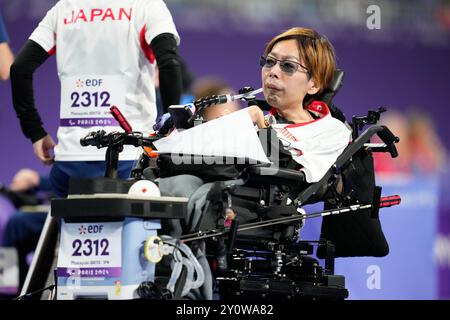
x: 85, y: 101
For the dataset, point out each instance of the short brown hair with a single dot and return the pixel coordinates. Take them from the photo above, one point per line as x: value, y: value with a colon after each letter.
x: 316, y: 53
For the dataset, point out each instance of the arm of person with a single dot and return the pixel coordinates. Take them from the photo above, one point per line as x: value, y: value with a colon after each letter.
x: 6, y: 59
x: 6, y: 55
x: 161, y: 34
x: 27, y: 61
x: 257, y: 116
x: 164, y: 47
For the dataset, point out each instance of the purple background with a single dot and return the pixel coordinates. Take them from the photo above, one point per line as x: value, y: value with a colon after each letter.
x: 397, y: 72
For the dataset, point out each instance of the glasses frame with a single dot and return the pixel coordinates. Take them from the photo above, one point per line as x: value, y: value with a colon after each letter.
x: 263, y: 63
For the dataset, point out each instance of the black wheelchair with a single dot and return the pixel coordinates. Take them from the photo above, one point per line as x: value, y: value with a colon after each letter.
x: 259, y: 254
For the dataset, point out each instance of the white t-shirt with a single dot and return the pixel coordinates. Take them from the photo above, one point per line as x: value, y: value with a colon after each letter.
x: 316, y: 144
x: 103, y: 59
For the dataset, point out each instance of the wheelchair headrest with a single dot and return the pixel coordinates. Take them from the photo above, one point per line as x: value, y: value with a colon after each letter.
x: 335, y: 85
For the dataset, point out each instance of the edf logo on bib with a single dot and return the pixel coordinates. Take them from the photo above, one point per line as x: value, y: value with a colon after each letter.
x: 90, y: 229
x: 89, y: 83
x: 93, y: 82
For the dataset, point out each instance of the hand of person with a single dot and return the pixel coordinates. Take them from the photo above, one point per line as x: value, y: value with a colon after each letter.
x: 43, y: 149
x: 24, y: 180
x: 257, y: 116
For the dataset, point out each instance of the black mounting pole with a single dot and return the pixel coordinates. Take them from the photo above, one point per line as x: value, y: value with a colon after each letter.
x: 112, y: 161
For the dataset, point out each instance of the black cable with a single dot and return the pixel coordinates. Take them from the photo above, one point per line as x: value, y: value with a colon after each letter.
x: 31, y: 294
x: 149, y: 290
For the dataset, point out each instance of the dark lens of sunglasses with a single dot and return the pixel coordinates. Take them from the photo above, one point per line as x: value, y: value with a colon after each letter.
x: 270, y: 62
x: 288, y: 67
x: 262, y: 61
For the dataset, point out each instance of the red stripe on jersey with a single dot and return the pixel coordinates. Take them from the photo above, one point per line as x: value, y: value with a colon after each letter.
x: 52, y: 51
x: 287, y: 134
x: 148, y: 52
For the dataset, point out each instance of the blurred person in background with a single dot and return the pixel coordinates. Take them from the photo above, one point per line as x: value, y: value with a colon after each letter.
x: 22, y: 229
x: 398, y: 123
x: 420, y: 149
x: 209, y: 86
x: 6, y: 55
x: 428, y: 152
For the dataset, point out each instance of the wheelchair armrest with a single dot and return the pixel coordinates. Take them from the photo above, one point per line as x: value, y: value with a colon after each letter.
x: 385, y: 135
x: 277, y: 176
x: 389, y: 139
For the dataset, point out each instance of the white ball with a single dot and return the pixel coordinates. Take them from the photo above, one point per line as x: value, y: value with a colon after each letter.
x: 144, y: 188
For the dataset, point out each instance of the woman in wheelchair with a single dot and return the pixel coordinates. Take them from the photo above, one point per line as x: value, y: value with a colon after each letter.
x: 311, y: 150
x: 296, y: 67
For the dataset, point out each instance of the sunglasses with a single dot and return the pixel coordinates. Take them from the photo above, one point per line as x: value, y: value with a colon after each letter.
x: 287, y: 66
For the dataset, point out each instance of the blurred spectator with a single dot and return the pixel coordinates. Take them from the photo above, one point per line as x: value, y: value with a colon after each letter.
x: 420, y: 149
x: 24, y: 180
x: 426, y: 147
x: 398, y: 124
x: 22, y: 230
x: 6, y: 55
x: 209, y: 86
x: 24, y: 188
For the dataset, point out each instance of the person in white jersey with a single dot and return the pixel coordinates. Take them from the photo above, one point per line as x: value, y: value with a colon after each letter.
x: 106, y: 52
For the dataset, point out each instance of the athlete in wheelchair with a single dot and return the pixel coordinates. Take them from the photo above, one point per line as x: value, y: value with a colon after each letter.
x: 259, y: 206
x: 241, y: 231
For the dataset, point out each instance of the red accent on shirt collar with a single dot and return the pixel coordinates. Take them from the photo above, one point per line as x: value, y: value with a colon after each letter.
x: 315, y: 106
x: 319, y: 107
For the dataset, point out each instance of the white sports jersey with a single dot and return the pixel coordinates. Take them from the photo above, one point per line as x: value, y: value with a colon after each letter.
x: 103, y: 59
x: 315, y: 144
